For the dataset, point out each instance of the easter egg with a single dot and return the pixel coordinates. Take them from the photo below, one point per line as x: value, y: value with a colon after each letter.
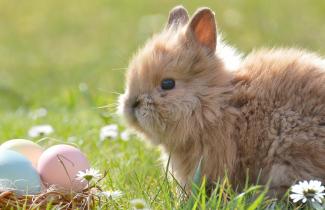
x: 59, y: 165
x: 18, y: 174
x: 29, y: 149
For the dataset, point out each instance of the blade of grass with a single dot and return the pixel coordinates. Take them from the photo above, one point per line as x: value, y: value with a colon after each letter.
x: 258, y: 201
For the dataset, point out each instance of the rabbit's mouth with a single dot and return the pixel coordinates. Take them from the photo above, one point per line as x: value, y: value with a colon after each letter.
x: 145, y: 112
x: 140, y: 113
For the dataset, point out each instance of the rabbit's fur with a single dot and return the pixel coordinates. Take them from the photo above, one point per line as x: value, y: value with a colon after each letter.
x: 265, y: 119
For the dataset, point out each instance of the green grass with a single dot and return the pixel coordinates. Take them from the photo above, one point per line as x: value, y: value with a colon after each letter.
x: 48, y: 48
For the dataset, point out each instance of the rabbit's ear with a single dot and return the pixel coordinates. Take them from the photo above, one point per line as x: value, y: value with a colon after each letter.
x: 202, y: 28
x: 177, y: 16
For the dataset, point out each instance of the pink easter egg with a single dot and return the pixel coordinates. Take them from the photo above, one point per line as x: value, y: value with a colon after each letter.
x: 59, y: 165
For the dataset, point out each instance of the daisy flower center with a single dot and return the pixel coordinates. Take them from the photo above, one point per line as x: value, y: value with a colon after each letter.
x: 309, y: 193
x: 88, y: 177
x: 139, y: 205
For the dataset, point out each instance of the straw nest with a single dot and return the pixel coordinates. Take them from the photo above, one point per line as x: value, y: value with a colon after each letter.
x: 53, y: 198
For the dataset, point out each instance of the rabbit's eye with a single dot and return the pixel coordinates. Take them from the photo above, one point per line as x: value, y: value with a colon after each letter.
x: 167, y: 84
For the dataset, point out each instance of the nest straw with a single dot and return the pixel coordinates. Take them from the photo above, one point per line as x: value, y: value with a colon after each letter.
x: 54, y: 198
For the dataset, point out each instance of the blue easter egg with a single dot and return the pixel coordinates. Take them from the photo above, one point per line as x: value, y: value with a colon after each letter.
x: 17, y: 174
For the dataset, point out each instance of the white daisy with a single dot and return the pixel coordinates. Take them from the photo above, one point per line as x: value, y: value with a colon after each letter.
x: 313, y: 191
x: 83, y: 87
x: 72, y: 139
x: 38, y: 113
x: 125, y: 135
x: 108, y: 132
x: 139, y: 204
x: 88, y: 175
x: 40, y: 130
x: 111, y: 194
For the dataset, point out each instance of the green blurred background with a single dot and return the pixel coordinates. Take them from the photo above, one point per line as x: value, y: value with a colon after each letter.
x: 48, y: 48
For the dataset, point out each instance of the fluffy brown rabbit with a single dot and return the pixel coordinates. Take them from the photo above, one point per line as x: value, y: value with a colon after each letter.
x: 265, y: 119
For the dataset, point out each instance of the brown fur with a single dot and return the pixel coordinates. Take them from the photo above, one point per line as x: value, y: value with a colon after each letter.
x: 268, y: 117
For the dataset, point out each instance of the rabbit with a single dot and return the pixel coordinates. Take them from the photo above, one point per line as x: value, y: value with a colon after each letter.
x: 263, y: 120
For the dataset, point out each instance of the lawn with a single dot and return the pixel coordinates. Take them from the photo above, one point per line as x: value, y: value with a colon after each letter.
x: 69, y: 57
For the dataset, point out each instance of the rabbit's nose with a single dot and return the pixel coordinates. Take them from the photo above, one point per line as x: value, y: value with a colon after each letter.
x: 136, y: 103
